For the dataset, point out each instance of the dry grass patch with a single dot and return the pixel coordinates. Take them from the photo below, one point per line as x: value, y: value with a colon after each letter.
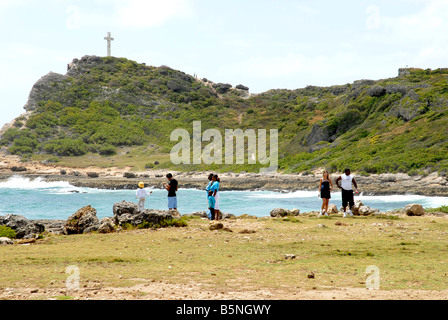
x: 410, y: 253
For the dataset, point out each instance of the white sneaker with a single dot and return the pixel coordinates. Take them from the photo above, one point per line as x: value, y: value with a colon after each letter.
x: 326, y: 213
x: 350, y: 213
x: 345, y: 215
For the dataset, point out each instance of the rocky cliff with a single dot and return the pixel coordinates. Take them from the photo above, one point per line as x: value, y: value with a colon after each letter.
x: 395, y: 125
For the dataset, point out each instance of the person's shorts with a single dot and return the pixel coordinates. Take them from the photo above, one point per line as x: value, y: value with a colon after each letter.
x: 347, y: 198
x: 172, y: 202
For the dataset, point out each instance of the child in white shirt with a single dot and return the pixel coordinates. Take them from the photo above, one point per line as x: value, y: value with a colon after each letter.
x: 141, y: 195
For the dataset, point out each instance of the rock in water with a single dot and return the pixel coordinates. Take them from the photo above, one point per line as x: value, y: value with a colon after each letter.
x: 83, y: 221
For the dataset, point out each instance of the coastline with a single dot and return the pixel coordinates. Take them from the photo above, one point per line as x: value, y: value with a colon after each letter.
x: 375, y: 185
x: 432, y: 185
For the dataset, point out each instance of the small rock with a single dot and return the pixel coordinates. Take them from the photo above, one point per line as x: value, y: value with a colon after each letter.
x: 245, y: 231
x: 27, y: 241
x: 18, y: 169
x: 93, y: 175
x: 333, y: 209
x: 216, y: 226
x: 311, y: 275
x: 279, y: 212
x: 414, y: 210
x: 290, y: 256
x: 106, y: 226
x: 6, y: 241
x: 242, y: 87
x: 129, y: 175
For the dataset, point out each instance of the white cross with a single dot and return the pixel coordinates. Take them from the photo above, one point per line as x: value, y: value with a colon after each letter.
x: 109, y: 42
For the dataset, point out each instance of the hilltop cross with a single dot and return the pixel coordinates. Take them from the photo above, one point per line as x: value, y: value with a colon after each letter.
x: 109, y: 42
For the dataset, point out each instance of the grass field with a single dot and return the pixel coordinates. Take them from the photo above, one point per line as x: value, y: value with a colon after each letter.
x: 135, y: 157
x: 410, y: 253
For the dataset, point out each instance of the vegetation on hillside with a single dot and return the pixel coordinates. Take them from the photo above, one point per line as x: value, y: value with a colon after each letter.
x: 391, y: 125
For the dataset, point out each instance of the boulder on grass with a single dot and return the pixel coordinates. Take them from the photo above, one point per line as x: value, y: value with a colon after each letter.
x: 332, y: 209
x: 414, y: 210
x: 83, y: 221
x: 126, y: 213
x: 106, y: 226
x: 5, y: 241
x: 24, y: 228
x: 279, y: 212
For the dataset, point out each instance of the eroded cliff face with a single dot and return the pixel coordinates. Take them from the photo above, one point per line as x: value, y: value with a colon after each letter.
x: 46, y: 88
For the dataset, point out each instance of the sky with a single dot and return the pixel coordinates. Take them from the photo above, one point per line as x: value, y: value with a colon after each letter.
x: 262, y: 44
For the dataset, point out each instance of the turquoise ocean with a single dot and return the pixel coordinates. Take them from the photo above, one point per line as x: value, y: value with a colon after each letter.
x: 38, y: 199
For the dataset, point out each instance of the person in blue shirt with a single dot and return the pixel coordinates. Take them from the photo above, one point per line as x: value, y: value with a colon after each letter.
x: 211, y: 204
x: 207, y: 189
x: 215, y: 193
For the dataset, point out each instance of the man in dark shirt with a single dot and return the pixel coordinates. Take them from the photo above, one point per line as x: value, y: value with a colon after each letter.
x: 172, y: 187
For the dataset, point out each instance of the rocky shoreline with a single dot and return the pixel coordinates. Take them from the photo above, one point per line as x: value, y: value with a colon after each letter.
x: 115, y: 178
x: 382, y: 184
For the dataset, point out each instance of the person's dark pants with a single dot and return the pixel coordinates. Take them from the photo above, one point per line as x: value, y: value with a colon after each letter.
x: 212, y: 212
x: 348, y: 198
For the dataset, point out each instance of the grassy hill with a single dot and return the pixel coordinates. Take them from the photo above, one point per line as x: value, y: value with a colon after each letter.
x: 113, y: 110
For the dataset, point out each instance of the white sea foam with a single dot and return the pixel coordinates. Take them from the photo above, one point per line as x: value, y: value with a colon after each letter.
x: 393, y: 198
x: 22, y: 183
x: 39, y: 184
x: 278, y: 195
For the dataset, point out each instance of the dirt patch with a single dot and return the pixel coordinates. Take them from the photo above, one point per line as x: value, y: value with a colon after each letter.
x: 147, y: 289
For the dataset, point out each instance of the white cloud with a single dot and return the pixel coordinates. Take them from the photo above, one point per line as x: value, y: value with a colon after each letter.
x: 304, y: 9
x: 144, y: 13
x: 6, y: 4
x: 297, y: 70
x: 128, y: 14
x: 421, y: 34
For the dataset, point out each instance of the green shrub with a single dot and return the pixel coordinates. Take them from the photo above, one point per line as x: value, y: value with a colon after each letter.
x: 150, y: 166
x: 107, y: 150
x: 65, y: 147
x: 443, y: 209
x: 7, y: 232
